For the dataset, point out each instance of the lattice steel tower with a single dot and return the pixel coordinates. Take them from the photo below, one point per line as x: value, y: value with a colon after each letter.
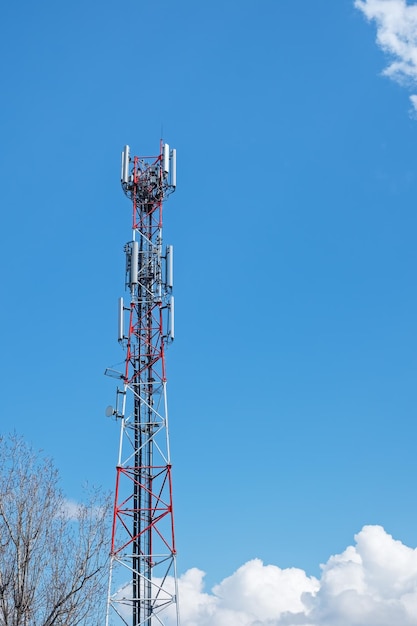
x: 143, y: 578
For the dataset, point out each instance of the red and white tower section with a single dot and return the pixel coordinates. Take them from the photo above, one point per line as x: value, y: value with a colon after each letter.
x: 143, y: 577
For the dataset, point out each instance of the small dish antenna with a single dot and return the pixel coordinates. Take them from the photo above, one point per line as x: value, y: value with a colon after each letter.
x: 109, y: 411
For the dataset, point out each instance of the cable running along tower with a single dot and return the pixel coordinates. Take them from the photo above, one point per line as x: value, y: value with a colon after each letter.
x: 143, y: 578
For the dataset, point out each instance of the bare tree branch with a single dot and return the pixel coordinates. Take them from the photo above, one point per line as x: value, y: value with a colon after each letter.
x: 52, y: 565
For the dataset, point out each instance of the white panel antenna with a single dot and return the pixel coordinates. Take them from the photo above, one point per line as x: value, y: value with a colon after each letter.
x: 171, y: 329
x: 134, y: 259
x: 166, y: 158
x: 120, y: 336
x: 174, y: 167
x: 125, y: 164
x: 169, y: 271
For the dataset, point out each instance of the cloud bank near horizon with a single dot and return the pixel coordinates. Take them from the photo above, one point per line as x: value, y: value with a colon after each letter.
x: 396, y: 23
x: 371, y: 583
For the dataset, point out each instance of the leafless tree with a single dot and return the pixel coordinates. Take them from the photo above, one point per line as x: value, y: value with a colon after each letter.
x: 52, y: 555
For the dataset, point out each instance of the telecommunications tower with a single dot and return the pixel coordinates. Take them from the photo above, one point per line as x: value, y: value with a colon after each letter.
x: 143, y: 578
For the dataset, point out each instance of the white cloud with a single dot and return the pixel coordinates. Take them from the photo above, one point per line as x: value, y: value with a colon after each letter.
x: 254, y: 587
x: 396, y: 23
x: 372, y: 583
x: 71, y: 509
x: 414, y: 104
x: 74, y: 511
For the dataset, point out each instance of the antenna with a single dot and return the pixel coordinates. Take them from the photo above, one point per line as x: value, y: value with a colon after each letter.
x: 120, y: 334
x: 169, y: 272
x: 174, y: 168
x: 134, y: 261
x: 171, y: 329
x: 166, y: 158
x: 125, y: 164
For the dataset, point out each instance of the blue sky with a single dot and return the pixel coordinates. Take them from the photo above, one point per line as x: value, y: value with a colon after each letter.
x: 292, y: 378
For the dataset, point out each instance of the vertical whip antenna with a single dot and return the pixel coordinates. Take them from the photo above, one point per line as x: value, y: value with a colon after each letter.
x: 143, y: 584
